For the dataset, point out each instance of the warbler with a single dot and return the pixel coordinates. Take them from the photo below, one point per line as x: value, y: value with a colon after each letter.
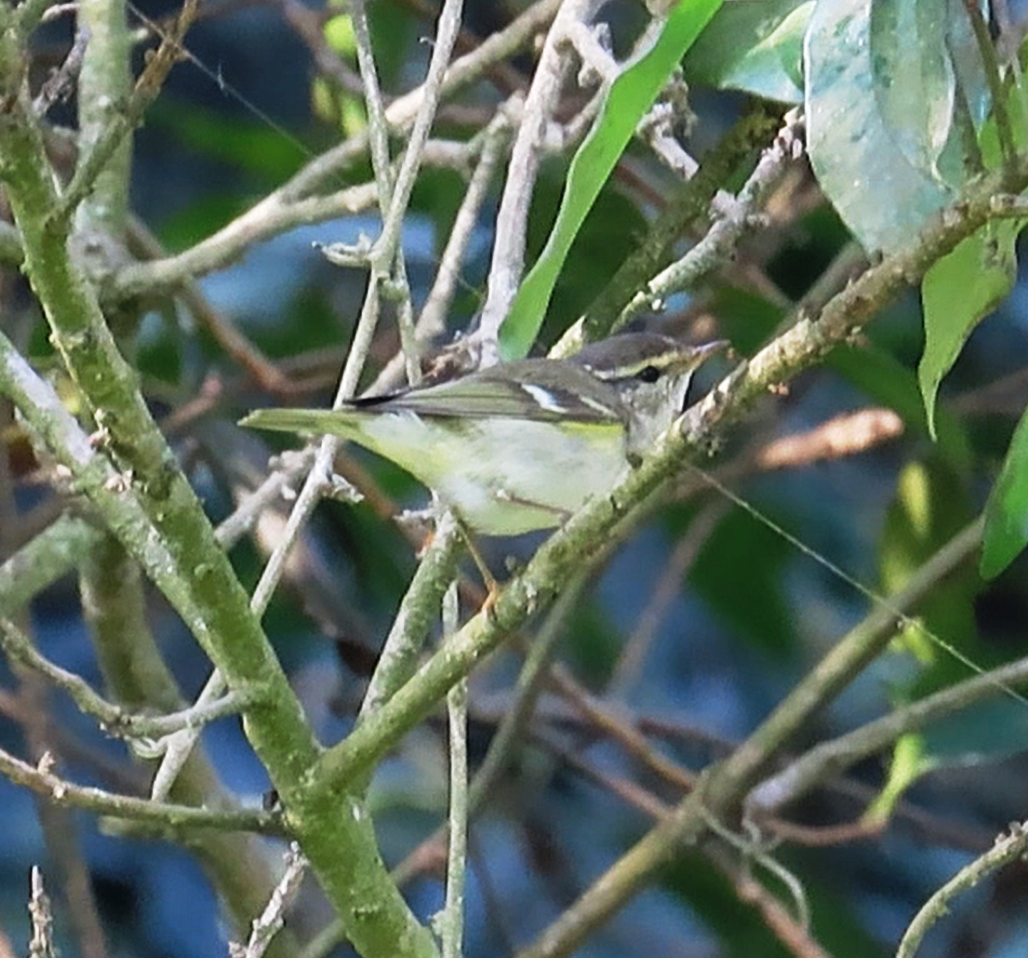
x: 521, y: 445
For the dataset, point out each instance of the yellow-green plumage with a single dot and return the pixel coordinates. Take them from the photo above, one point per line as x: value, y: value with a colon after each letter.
x: 520, y: 446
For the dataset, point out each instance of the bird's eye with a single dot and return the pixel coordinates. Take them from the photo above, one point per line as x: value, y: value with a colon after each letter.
x: 648, y: 374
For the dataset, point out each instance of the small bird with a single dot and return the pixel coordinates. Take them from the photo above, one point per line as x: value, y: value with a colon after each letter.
x: 521, y: 445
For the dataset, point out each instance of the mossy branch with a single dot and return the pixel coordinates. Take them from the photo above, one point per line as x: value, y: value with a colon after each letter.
x: 132, y: 477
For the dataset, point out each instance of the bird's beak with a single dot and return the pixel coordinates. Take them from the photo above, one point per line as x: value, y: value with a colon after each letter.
x: 704, y: 352
x: 695, y: 356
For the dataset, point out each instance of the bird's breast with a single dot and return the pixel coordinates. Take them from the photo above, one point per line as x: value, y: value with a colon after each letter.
x: 505, y: 476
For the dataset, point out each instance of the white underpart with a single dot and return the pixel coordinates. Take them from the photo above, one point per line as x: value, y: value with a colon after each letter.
x: 533, y: 493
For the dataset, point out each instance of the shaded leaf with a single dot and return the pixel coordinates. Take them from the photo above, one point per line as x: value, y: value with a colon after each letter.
x: 250, y: 145
x: 739, y: 547
x: 885, y: 379
x: 967, y: 61
x: 880, y: 98
x: 756, y: 47
x: 988, y: 134
x: 930, y: 507
x: 958, y: 291
x: 987, y: 732
x: 913, y: 80
x: 1006, y: 513
x: 747, y: 320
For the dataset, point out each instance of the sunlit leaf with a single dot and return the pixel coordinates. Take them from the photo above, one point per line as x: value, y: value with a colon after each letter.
x: 930, y: 507
x: 597, y: 250
x: 909, y: 763
x: 338, y: 107
x: 339, y: 35
x: 628, y: 99
x: 958, y: 291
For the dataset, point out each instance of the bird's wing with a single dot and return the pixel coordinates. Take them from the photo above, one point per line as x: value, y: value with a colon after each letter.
x: 522, y: 390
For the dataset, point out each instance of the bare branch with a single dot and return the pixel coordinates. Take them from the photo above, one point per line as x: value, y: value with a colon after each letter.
x: 41, y: 945
x: 273, y: 917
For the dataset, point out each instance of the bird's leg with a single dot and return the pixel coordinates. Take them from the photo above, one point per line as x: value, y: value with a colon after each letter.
x: 562, y: 514
x: 488, y: 580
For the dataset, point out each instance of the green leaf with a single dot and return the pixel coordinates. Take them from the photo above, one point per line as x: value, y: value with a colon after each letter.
x: 909, y: 763
x: 957, y: 292
x: 755, y: 47
x: 886, y: 380
x: 882, y: 104
x: 932, y: 503
x: 252, y: 146
x: 987, y: 732
x: 628, y: 99
x: 1006, y: 513
x: 914, y: 84
x: 597, y: 250
x: 969, y: 70
x: 740, y: 546
x: 988, y: 132
x: 930, y: 507
x: 339, y: 35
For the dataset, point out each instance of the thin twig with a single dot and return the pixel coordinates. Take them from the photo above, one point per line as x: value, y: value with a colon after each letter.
x: 450, y: 922
x: 637, y: 647
x: 442, y: 48
x: 603, y: 718
x: 41, y: 945
x: 1007, y: 850
x: 309, y: 27
x: 235, y: 344
x: 418, y: 611
x: 42, y: 780
x: 147, y: 87
x: 272, y: 918
x: 432, y: 321
x: 689, y: 203
x: 378, y: 127
x: 994, y: 78
x: 113, y: 718
x: 58, y: 86
x: 716, y: 247
x: 285, y: 203
x: 386, y: 255
x: 828, y: 759
x: 512, y: 217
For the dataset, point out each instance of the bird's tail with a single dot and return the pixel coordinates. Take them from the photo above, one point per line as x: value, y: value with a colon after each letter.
x: 316, y: 422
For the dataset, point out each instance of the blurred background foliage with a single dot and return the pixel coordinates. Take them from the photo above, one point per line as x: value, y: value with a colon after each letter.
x: 691, y: 638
